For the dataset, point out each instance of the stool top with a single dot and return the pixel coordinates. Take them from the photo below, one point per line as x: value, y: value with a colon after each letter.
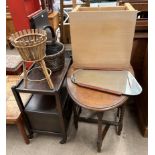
x: 13, y: 62
x: 12, y: 110
x: 92, y: 99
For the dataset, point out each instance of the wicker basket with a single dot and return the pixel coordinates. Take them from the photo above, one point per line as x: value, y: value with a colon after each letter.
x: 30, y: 43
x: 55, y: 56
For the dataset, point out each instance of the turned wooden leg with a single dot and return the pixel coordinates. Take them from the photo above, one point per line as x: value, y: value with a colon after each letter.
x: 120, y: 115
x: 64, y: 139
x: 77, y: 111
x: 99, y: 140
x: 101, y: 133
x: 20, y: 125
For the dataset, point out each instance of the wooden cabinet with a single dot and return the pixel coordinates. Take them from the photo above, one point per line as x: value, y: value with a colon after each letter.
x: 139, y: 61
x: 48, y: 110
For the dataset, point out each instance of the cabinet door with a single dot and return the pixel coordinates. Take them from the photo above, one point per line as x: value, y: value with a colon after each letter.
x: 139, y: 62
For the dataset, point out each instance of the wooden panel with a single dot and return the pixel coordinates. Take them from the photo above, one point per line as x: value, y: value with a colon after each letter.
x: 84, y: 9
x: 54, y: 20
x: 66, y: 32
x: 139, y: 62
x: 102, y: 39
x: 141, y: 6
x: 9, y: 26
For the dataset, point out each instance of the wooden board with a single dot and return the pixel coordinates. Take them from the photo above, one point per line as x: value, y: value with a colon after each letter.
x: 116, y: 82
x: 102, y: 37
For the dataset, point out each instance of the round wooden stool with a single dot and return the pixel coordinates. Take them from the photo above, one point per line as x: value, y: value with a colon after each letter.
x: 99, y: 102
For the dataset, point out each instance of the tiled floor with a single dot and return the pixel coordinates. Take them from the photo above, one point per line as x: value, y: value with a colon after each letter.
x: 82, y: 142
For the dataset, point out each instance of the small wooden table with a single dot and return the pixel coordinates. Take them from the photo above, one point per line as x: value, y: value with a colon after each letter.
x: 99, y: 102
x: 45, y: 111
x: 13, y: 114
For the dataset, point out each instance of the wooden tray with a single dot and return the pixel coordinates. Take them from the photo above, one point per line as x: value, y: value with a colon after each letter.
x: 117, y: 82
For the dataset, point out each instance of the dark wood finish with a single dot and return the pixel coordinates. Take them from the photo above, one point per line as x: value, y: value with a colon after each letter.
x: 101, y: 133
x: 43, y: 4
x: 41, y: 88
x: 20, y: 125
x: 120, y: 116
x: 142, y: 7
x: 99, y: 140
x: 21, y: 108
x: 140, y: 64
x: 139, y: 61
x: 131, y: 1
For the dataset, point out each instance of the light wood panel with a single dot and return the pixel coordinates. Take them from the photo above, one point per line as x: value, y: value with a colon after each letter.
x: 102, y: 38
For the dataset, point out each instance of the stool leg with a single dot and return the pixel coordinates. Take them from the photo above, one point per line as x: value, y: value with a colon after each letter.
x: 99, y: 140
x: 120, y: 115
x: 49, y: 81
x: 77, y: 111
x: 20, y: 126
x: 25, y: 74
x: 75, y: 117
x: 101, y: 133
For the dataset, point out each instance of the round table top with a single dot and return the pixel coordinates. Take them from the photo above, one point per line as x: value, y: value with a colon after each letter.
x: 93, y: 99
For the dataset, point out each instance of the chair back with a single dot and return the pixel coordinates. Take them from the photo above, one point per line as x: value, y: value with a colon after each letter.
x: 40, y: 21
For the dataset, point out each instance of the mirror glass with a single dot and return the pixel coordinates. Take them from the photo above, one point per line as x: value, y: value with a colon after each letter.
x: 117, y: 82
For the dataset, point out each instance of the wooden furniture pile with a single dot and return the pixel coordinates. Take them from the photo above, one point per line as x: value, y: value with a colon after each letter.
x: 52, y: 106
x: 106, y: 45
x: 139, y: 61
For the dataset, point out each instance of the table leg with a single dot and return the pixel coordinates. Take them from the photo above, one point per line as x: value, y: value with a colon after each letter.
x: 77, y: 111
x: 120, y: 115
x: 101, y: 134
x: 99, y: 140
x: 59, y: 109
x: 20, y: 126
x: 21, y: 107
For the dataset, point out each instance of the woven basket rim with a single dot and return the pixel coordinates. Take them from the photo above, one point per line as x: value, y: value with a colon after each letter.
x: 30, y: 46
x: 58, y: 53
